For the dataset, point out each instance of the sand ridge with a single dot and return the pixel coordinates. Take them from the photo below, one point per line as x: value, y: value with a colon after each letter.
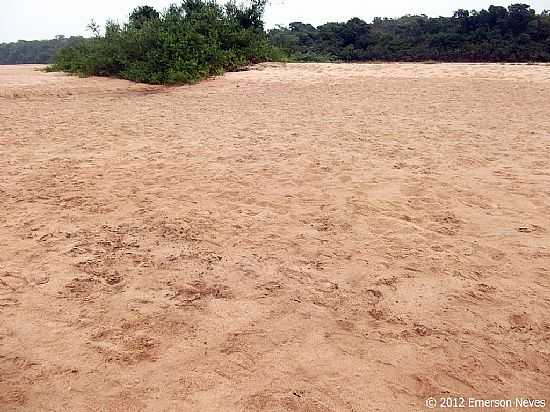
x: 292, y: 238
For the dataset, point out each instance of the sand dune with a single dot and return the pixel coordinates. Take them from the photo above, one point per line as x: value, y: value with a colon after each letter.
x: 291, y: 238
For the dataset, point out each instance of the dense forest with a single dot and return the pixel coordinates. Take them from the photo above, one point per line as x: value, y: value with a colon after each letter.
x: 34, y: 52
x: 498, y: 34
x: 199, y: 38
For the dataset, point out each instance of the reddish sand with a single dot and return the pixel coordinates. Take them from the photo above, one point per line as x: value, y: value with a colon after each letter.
x: 292, y: 238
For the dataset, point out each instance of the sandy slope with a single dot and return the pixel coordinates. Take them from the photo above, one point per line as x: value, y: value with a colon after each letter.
x: 299, y: 238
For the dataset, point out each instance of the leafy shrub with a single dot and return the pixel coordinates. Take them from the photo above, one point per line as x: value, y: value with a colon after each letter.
x: 186, y: 43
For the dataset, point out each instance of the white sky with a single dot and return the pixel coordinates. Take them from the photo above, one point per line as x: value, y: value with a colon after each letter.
x: 43, y: 19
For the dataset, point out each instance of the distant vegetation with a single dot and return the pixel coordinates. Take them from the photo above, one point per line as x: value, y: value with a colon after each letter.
x: 184, y: 44
x: 200, y: 38
x: 499, y: 34
x: 34, y: 52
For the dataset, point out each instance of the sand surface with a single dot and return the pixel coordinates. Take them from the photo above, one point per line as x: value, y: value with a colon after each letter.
x: 292, y: 238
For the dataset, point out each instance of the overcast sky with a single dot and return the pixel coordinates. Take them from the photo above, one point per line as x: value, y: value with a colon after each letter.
x: 43, y: 19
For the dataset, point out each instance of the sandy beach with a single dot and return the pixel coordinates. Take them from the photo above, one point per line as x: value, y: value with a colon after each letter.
x: 299, y: 237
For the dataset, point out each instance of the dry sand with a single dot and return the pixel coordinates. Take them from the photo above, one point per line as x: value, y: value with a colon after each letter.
x: 292, y: 238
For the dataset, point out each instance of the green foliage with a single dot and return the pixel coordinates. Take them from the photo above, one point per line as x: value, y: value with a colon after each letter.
x: 199, y: 38
x: 142, y: 15
x: 34, y: 52
x: 186, y: 43
x: 498, y: 34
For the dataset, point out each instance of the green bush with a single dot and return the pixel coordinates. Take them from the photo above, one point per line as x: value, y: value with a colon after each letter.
x: 186, y: 43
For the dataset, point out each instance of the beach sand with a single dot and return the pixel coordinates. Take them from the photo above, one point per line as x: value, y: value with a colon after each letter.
x: 300, y: 237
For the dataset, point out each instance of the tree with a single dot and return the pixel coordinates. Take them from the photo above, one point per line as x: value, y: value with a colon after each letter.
x: 142, y: 14
x: 519, y: 17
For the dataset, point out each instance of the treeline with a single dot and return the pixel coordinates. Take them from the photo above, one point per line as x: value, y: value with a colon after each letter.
x: 185, y: 43
x: 498, y: 34
x: 34, y: 52
x: 200, y: 38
